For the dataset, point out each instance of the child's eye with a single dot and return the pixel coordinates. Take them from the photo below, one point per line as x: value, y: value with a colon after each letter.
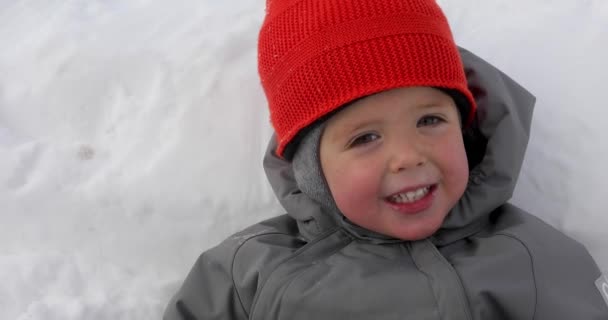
x: 429, y: 121
x: 363, y: 139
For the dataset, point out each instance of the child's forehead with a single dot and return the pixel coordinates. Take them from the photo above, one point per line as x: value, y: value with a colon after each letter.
x: 390, y: 103
x: 406, y: 95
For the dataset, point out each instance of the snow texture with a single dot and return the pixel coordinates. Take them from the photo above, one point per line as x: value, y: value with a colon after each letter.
x: 132, y: 133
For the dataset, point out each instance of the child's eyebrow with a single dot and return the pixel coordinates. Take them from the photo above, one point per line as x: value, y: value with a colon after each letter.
x: 350, y: 127
x: 433, y: 104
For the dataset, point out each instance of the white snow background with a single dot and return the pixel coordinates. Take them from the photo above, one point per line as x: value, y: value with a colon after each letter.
x: 132, y: 134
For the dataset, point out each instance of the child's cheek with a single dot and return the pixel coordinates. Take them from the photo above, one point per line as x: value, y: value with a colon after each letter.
x: 455, y: 167
x: 355, y: 190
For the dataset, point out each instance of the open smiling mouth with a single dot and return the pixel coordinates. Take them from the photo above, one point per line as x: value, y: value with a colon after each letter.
x: 413, y: 201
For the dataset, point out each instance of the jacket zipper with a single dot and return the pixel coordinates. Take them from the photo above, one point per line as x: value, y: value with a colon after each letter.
x: 451, y: 298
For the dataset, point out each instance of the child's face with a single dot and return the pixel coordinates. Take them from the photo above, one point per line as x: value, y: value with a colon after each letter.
x: 395, y: 161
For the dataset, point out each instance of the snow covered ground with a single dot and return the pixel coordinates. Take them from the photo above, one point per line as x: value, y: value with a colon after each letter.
x: 132, y: 133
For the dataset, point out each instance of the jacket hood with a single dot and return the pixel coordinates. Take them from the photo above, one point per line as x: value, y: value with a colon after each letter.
x: 495, y: 142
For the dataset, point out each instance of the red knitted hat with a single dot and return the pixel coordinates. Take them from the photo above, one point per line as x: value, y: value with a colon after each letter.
x: 317, y: 55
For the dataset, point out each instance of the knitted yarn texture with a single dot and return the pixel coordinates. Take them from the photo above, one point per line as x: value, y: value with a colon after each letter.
x: 315, y: 56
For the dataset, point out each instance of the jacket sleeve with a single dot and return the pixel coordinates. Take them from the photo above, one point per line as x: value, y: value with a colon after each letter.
x: 225, y: 279
x: 565, y: 276
x: 209, y: 291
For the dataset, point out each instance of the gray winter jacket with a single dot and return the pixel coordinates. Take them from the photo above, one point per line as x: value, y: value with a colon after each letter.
x: 490, y: 260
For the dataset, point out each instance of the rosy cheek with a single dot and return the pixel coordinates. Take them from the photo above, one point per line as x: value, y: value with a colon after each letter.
x: 457, y: 168
x: 353, y: 188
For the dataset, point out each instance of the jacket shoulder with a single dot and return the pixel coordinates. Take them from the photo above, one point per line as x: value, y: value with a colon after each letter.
x: 257, y: 250
x: 224, y: 280
x: 563, y: 269
x: 534, y: 233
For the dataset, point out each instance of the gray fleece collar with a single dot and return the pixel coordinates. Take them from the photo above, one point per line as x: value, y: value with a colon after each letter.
x: 307, y: 169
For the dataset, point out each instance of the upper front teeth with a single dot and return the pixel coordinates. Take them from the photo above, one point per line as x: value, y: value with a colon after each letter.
x: 410, y: 196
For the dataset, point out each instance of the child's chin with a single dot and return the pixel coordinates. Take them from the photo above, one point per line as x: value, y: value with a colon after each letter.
x: 413, y: 233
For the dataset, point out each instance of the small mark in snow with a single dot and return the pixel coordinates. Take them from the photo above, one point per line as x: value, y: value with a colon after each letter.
x: 86, y: 152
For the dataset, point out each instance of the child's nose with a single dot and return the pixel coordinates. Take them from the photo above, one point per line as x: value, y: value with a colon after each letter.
x: 406, y: 155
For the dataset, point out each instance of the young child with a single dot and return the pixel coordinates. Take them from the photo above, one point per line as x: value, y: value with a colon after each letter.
x: 395, y: 174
